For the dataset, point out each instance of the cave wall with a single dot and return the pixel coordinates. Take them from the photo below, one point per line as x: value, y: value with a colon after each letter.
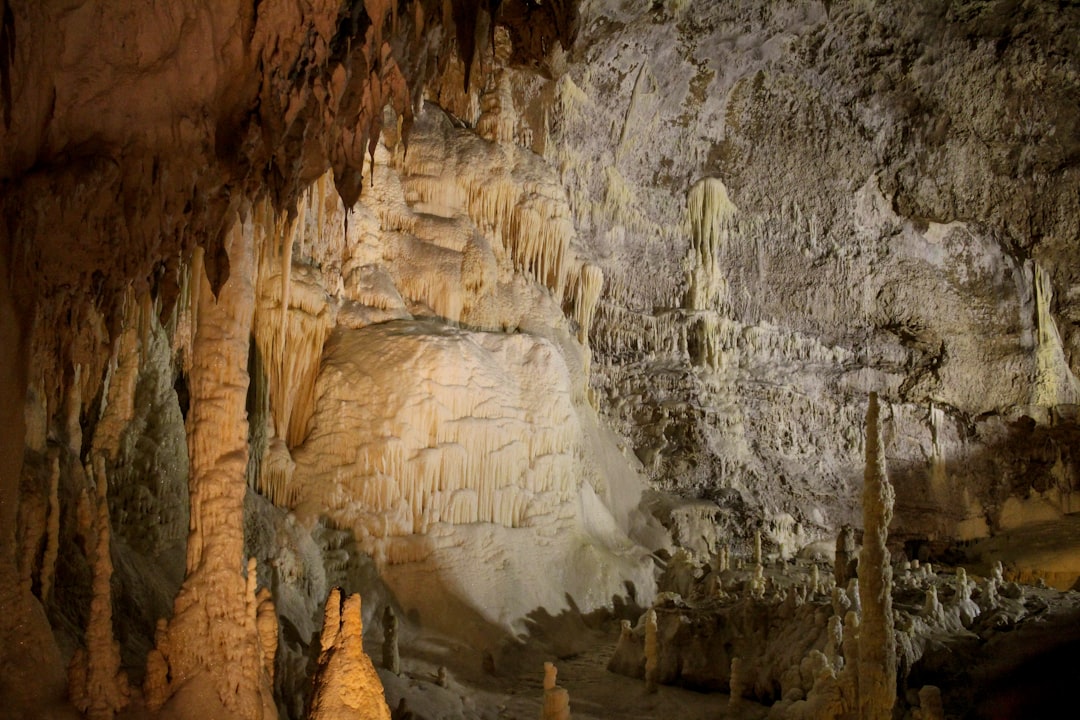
x: 833, y: 198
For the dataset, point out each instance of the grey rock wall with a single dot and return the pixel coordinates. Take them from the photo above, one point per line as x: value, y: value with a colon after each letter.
x: 903, y: 190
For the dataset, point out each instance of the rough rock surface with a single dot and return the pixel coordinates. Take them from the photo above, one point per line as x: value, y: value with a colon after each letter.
x: 893, y: 207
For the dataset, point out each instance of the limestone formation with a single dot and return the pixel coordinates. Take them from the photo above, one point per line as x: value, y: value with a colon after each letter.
x: 932, y: 608
x: 877, y: 642
x: 556, y: 699
x: 652, y: 653
x: 930, y: 707
x: 52, y: 529
x: 391, y: 653
x: 736, y: 683
x: 346, y: 683
x: 967, y: 608
x: 845, y: 556
x: 214, y: 626
x: 444, y: 301
x: 96, y: 684
x: 266, y: 622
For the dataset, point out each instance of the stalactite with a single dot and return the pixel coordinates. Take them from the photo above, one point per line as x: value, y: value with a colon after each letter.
x: 711, y: 214
x: 293, y: 317
x: 73, y: 400
x: 877, y: 640
x: 1055, y: 382
x: 118, y: 396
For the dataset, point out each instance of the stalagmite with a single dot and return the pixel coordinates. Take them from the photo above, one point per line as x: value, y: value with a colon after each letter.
x: 758, y: 582
x: 391, y: 654
x: 156, y: 683
x: 736, y: 683
x: 932, y: 608
x: 652, y: 653
x: 845, y: 556
x: 346, y: 683
x: 96, y: 684
x: 835, y: 642
x: 52, y: 529
x: 930, y: 707
x: 969, y: 609
x: 848, y: 679
x: 556, y: 699
x: 991, y: 597
x: 213, y: 629
x: 877, y: 642
x: 266, y: 622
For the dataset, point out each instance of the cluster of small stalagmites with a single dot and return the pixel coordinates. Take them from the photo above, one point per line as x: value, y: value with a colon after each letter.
x: 96, y: 684
x: 346, y: 683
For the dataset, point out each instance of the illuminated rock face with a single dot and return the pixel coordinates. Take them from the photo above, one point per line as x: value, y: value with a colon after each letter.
x: 443, y: 426
x: 821, y: 219
x: 431, y: 382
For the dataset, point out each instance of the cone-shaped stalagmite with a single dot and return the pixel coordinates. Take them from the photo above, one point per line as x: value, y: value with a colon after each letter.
x: 877, y: 642
x: 346, y: 684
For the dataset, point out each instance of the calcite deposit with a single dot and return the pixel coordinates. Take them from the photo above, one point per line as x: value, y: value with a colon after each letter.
x: 723, y: 352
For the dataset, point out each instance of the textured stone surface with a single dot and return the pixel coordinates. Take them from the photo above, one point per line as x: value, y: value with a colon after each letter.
x: 898, y: 179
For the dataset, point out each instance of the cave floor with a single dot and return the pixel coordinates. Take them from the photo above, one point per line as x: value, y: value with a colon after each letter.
x: 515, y: 690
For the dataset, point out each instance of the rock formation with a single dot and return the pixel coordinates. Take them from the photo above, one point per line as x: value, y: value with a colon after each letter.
x: 96, y: 684
x: 652, y: 653
x: 391, y: 653
x: 213, y: 629
x: 487, y: 310
x: 346, y: 684
x: 556, y: 699
x: 877, y: 643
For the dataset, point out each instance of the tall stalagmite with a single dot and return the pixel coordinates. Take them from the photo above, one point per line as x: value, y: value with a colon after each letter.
x: 877, y: 642
x: 213, y: 625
